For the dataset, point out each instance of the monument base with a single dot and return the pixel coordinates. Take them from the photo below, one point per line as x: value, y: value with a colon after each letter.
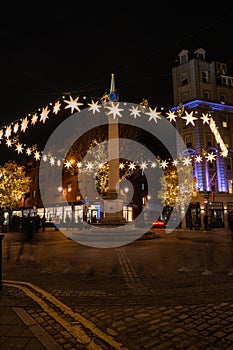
x: 113, y: 212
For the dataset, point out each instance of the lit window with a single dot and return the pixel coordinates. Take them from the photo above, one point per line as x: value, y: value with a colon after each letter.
x: 224, y: 124
x: 205, y: 76
x: 69, y: 187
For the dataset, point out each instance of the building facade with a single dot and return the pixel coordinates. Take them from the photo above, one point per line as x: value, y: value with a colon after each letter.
x: 205, y: 89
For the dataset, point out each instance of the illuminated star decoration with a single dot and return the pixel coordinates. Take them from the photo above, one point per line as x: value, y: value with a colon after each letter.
x: 121, y: 166
x: 24, y: 124
x: 34, y: 119
x: 210, y: 157
x: 16, y: 128
x: 114, y: 110
x: 189, y: 118
x: 19, y: 148
x: 163, y: 164
x: 51, y: 161
x: 187, y: 161
x: 37, y: 155
x: 143, y: 165
x: 153, y: 165
x: 198, y: 159
x: 175, y: 162
x: 73, y: 104
x: 132, y: 166
x: 205, y: 118
x: 8, y: 131
x: 28, y: 151
x: 1, y: 134
x: 44, y: 114
x: 56, y: 107
x: 89, y: 166
x: 94, y: 107
x: 154, y: 115
x: 8, y: 143
x: 67, y: 164
x: 171, y: 116
x: 135, y: 112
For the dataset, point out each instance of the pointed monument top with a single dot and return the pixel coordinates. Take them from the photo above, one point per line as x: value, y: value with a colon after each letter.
x: 112, y: 94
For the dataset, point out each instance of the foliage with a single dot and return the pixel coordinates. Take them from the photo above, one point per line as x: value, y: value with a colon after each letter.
x: 13, y: 184
x: 177, y: 187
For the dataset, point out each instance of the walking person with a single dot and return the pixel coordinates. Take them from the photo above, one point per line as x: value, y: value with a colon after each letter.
x: 43, y: 223
x: 206, y: 220
x: 28, y: 234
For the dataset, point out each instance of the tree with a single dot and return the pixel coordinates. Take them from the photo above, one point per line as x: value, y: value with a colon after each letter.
x: 13, y: 185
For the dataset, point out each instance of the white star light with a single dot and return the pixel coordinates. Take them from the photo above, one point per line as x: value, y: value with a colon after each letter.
x: 73, y: 104
x: 187, y: 161
x: 189, y: 118
x: 121, y: 166
x: 44, y: 114
x: 171, y: 116
x: 28, y: 151
x: 16, y: 128
x: 45, y: 158
x: 135, y: 112
x: 37, y: 155
x: 56, y: 107
x: 143, y: 165
x: 24, y: 124
x: 153, y: 165
x: 198, y: 159
x: 89, y: 166
x: 153, y: 115
x: 175, y: 162
x: 79, y: 165
x: 164, y: 164
x: 8, y: 131
x: 205, y: 118
x: 19, y: 148
x: 132, y: 166
x: 34, y: 119
x: 210, y: 157
x: 67, y: 164
x: 94, y: 107
x: 1, y: 134
x: 51, y: 161
x: 114, y: 110
x: 8, y: 143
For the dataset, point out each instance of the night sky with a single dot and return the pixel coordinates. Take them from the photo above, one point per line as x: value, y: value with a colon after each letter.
x: 46, y: 52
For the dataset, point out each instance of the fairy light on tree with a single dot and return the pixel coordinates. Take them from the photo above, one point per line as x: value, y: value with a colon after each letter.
x: 14, y: 184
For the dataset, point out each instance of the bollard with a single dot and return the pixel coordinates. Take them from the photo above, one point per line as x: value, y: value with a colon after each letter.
x: 1, y: 238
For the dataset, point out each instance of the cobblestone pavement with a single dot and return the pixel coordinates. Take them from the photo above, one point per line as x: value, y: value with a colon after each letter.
x: 174, y: 292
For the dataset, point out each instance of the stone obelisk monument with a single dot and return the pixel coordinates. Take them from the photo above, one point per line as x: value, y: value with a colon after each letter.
x: 113, y: 204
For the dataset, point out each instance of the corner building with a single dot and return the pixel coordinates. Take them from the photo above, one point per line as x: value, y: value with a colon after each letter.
x: 205, y: 88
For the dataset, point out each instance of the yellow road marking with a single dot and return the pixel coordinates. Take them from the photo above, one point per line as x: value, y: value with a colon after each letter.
x: 75, y: 330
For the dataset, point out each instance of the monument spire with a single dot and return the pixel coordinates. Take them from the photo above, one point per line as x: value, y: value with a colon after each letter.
x: 113, y: 96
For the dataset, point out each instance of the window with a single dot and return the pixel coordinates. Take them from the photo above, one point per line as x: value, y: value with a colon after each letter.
x: 205, y: 76
x: 34, y: 194
x: 224, y: 124
x: 228, y: 163
x: 222, y: 99
x: 184, y: 97
x: 69, y: 187
x: 184, y: 79
x: 188, y: 140
x: 184, y: 59
x: 206, y: 95
x: 209, y: 140
x: 226, y: 140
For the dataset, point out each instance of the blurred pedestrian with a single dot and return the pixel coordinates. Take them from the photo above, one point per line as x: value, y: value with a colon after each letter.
x: 27, y: 236
x: 43, y: 223
x: 206, y: 220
